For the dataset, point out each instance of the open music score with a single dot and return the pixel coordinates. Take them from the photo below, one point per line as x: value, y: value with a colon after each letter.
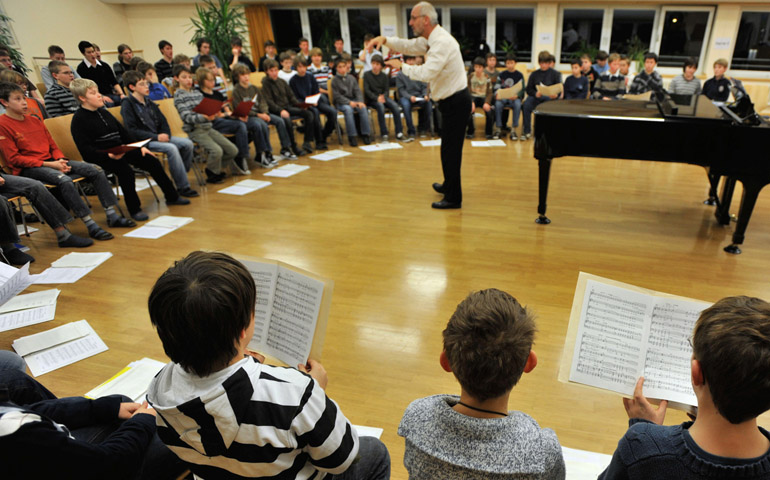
x: 292, y: 309
x: 618, y: 332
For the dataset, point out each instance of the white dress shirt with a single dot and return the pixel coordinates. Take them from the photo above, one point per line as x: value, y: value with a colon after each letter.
x: 444, y: 68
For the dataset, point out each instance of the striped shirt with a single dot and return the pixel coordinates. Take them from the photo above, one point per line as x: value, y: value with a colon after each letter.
x: 681, y: 86
x: 322, y: 75
x: 60, y: 101
x: 185, y: 101
x: 252, y: 420
x: 609, y: 85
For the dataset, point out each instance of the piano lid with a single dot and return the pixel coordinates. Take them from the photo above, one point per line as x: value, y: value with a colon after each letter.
x: 701, y: 108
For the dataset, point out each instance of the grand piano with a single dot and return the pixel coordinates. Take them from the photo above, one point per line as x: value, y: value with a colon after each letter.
x: 699, y: 133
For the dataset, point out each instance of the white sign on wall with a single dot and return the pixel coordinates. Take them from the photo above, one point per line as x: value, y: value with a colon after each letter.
x: 389, y: 30
x: 545, y: 37
x: 722, y: 43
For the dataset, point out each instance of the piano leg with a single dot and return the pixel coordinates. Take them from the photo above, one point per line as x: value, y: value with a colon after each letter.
x: 750, y: 193
x: 544, y: 169
x: 723, y: 207
x: 713, y: 185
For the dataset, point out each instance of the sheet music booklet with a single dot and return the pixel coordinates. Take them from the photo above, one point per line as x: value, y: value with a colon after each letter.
x: 510, y: 92
x: 291, y: 312
x: 619, y: 332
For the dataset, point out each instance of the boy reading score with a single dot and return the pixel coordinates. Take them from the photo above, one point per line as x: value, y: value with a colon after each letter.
x: 223, y: 411
x: 729, y: 372
x: 487, y: 346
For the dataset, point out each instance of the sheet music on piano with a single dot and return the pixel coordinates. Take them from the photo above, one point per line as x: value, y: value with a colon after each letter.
x: 619, y: 332
x: 291, y: 312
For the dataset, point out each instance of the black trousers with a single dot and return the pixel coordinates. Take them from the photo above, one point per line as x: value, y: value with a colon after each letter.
x: 454, y: 114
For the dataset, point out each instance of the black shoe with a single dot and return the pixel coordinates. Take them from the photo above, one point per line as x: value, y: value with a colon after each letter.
x: 188, y: 192
x: 99, y: 234
x: 121, y: 222
x: 438, y: 187
x: 212, y: 177
x: 75, y: 241
x: 353, y: 142
x: 469, y: 136
x: 16, y: 257
x: 367, y: 140
x: 321, y: 146
x: 298, y: 152
x: 178, y: 201
x: 140, y: 216
x: 307, y: 147
x: 444, y: 205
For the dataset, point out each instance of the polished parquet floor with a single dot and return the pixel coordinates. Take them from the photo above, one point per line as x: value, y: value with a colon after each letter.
x: 400, y: 268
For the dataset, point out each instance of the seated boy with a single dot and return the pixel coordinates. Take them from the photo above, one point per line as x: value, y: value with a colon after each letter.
x: 221, y: 410
x: 350, y: 101
x: 480, y: 86
x: 414, y: 94
x: 270, y: 54
x: 55, y: 52
x: 303, y: 86
x: 322, y: 73
x: 602, y: 62
x: 367, y: 53
x: 717, y: 88
x: 125, y: 54
x: 282, y: 103
x: 30, y: 151
x: 287, y: 66
x: 611, y: 84
x: 59, y: 100
x: 487, y: 346
x: 143, y: 119
x: 220, y: 85
x: 625, y: 70
x: 199, y: 127
x: 94, y: 129
x: 101, y: 74
x: 649, y: 78
x: 729, y: 365
x: 158, y: 91
x: 546, y: 76
x: 377, y: 95
x: 204, y: 49
x: 588, y: 70
x: 576, y: 86
x: 508, y: 78
x: 686, y: 83
x: 259, y: 118
x: 164, y: 66
x: 238, y: 56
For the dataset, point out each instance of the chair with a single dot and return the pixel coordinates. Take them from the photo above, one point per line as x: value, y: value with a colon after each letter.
x: 368, y: 108
x: 115, y: 111
x: 17, y: 199
x: 41, y: 88
x: 331, y: 101
x: 256, y: 78
x: 175, y: 123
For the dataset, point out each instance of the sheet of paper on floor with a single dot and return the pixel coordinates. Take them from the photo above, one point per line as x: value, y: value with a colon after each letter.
x: 133, y: 381
x: 52, y: 349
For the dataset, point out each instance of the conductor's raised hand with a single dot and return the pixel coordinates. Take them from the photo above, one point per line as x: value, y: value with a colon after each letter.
x: 376, y: 42
x: 640, y: 407
x: 315, y: 370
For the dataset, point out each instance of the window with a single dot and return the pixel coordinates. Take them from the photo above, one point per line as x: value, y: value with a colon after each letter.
x: 631, y: 31
x: 409, y: 32
x: 683, y: 36
x: 752, y: 45
x: 324, y: 27
x: 362, y: 21
x: 513, y: 32
x: 581, y: 32
x: 287, y: 28
x: 469, y: 27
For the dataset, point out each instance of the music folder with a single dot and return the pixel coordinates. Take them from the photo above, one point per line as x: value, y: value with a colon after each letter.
x: 208, y: 106
x: 243, y: 108
x: 120, y: 149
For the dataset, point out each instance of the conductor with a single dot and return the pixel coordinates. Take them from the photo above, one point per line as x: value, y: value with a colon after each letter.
x: 445, y: 71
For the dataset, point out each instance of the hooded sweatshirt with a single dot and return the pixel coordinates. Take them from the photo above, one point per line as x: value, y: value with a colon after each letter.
x: 251, y: 420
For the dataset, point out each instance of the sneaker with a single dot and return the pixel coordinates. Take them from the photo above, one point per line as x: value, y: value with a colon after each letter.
x: 139, y: 216
x: 423, y: 134
x: 212, y: 177
x: 178, y: 201
x: 288, y: 154
x: 307, y: 147
x: 120, y: 222
x: 14, y: 256
x: 469, y: 136
x: 263, y: 161
x: 514, y: 136
x: 300, y: 152
x: 188, y: 192
x: 353, y: 141
x: 505, y: 129
x: 384, y: 139
x: 525, y: 136
x: 496, y: 135
x: 321, y: 146
x: 238, y: 167
x: 100, y: 234
x: 270, y: 160
x: 488, y: 137
x: 400, y: 136
x: 408, y: 140
x: 76, y: 242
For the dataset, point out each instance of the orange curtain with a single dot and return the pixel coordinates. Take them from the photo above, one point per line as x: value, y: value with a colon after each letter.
x: 260, y: 29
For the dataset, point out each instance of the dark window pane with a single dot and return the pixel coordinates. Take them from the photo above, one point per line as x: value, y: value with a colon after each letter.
x: 362, y: 21
x: 324, y: 28
x: 631, y: 30
x: 581, y: 33
x: 469, y: 27
x: 514, y: 33
x: 287, y: 28
x: 682, y: 37
x: 409, y: 32
x: 752, y: 47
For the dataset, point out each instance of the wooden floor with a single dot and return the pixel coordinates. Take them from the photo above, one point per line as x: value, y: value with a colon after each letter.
x: 400, y: 268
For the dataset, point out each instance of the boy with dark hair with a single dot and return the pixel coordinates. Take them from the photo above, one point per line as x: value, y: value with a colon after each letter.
x: 158, y: 91
x: 287, y: 71
x: 377, y: 96
x: 686, y: 83
x: 143, y: 119
x: 729, y: 365
x: 487, y: 346
x: 204, y: 48
x: 250, y: 419
x: 238, y: 57
x: 55, y: 52
x: 588, y: 70
x: 303, y: 86
x: 576, y: 85
x: 270, y: 54
x: 59, y: 100
x: 164, y: 67
x: 29, y: 88
x: 717, y: 88
x: 546, y: 76
x: 350, y: 101
x: 30, y: 151
x: 282, y: 103
x: 123, y: 65
x: 611, y: 84
x: 649, y: 78
x: 602, y: 62
x: 101, y: 74
x: 480, y: 86
x: 413, y: 94
x: 304, y: 48
x: 508, y: 78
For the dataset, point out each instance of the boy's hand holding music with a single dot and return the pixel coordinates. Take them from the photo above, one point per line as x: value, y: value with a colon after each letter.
x: 260, y: 358
x: 315, y: 370
x: 640, y: 407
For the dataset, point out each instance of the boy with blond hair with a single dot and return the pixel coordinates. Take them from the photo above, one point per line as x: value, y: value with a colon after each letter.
x: 717, y: 88
x: 611, y: 84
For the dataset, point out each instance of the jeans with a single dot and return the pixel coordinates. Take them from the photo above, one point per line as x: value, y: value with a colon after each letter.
x: 490, y: 117
x: 350, y: 120
x: 394, y: 109
x: 50, y: 209
x: 231, y: 125
x: 219, y: 150
x: 283, y: 131
x: 309, y: 119
x: 325, y: 108
x: 514, y: 103
x: 179, y: 152
x: 373, y: 464
x: 69, y: 191
x: 260, y: 133
x: 527, y: 108
x: 8, y: 233
x: 425, y: 114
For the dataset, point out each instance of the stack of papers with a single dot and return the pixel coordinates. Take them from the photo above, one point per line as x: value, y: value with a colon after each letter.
x: 133, y: 381
x: 245, y: 186
x: 71, y: 267
x: 158, y: 227
x: 28, y: 309
x: 12, y: 281
x: 364, y: 431
x: 286, y: 171
x: 431, y: 143
x: 330, y: 155
x: 487, y: 143
x: 584, y: 465
x: 60, y: 346
x: 380, y: 146
x: 21, y: 231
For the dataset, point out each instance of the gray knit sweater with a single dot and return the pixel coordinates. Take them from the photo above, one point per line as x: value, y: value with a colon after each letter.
x: 443, y: 443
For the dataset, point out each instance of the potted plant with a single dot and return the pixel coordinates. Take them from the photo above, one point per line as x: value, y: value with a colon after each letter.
x: 219, y: 21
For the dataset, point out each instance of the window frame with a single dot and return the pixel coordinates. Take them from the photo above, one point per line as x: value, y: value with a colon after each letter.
x: 745, y: 74
x: 707, y: 39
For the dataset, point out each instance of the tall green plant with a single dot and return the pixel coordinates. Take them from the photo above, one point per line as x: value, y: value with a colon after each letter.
x: 6, y: 39
x: 219, y: 21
